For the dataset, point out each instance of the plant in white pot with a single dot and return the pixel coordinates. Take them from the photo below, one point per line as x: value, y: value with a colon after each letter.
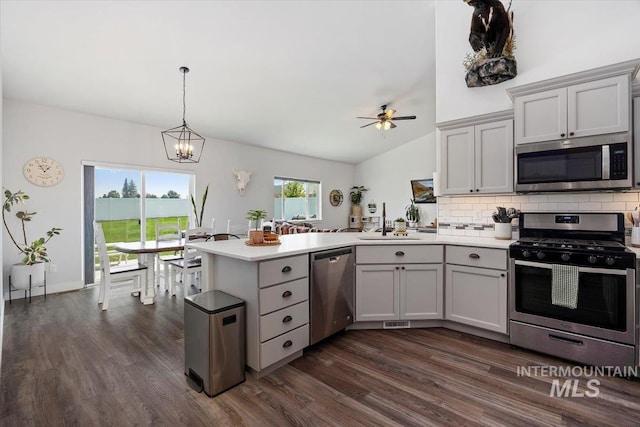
x: 34, y: 252
x: 413, y: 214
x: 255, y: 217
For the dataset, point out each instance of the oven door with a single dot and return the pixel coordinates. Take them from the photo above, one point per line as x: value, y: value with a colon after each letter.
x: 605, y: 301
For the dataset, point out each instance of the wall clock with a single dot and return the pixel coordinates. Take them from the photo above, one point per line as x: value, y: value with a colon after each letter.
x: 43, y: 171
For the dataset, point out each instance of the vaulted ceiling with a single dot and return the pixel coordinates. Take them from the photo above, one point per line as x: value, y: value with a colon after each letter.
x: 287, y: 75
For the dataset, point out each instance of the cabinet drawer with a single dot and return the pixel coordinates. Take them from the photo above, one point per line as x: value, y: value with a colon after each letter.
x: 284, y: 295
x: 394, y: 254
x: 283, y: 270
x: 283, y: 346
x: 477, y: 257
x: 285, y: 320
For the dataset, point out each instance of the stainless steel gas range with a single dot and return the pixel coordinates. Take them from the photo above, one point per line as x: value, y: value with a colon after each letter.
x: 573, y: 288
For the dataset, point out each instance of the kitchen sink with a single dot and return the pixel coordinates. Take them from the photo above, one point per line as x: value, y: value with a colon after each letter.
x: 391, y: 237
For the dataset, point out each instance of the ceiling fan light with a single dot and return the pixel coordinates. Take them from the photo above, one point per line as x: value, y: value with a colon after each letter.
x: 379, y: 125
x: 387, y: 125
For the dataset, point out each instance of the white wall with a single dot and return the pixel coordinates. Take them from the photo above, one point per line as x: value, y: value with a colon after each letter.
x: 72, y: 138
x: 1, y: 235
x: 388, y: 177
x: 553, y: 38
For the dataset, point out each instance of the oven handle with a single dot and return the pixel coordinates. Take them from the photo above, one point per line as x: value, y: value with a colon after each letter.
x: 580, y: 269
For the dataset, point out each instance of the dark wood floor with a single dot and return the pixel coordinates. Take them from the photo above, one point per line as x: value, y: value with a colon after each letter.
x: 67, y: 363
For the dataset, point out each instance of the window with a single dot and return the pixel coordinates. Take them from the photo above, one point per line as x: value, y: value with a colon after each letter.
x: 296, y: 199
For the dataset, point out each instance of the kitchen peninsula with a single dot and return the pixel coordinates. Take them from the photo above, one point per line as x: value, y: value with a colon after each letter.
x: 274, y: 282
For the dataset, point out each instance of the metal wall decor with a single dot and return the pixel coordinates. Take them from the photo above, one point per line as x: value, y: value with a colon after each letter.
x: 182, y: 144
x: 336, y: 197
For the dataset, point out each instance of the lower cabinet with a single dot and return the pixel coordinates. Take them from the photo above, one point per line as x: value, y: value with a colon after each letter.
x: 477, y: 296
x: 399, y: 292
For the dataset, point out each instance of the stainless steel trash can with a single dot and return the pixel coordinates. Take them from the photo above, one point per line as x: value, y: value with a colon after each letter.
x: 214, y: 341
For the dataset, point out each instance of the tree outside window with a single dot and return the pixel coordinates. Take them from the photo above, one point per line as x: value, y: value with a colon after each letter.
x: 296, y: 199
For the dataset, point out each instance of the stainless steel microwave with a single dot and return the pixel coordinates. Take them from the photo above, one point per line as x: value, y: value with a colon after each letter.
x: 587, y: 163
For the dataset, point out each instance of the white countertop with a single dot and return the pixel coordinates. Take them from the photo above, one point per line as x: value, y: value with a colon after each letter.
x: 296, y: 244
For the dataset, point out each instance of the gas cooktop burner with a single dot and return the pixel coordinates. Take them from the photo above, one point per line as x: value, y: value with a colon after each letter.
x: 590, y: 245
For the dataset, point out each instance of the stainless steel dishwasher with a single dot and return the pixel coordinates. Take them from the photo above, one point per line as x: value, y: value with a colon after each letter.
x: 332, y: 292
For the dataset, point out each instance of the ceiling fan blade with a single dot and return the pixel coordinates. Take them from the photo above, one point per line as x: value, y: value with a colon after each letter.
x: 373, y: 123
x: 389, y: 113
x: 370, y: 118
x: 403, y: 118
x: 392, y: 125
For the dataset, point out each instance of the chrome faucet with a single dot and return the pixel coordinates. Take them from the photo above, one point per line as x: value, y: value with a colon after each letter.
x: 384, y: 219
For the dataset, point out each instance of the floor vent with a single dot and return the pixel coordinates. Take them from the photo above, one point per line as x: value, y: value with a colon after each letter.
x: 396, y: 324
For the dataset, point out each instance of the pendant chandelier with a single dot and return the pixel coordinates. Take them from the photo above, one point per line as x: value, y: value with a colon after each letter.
x: 182, y: 144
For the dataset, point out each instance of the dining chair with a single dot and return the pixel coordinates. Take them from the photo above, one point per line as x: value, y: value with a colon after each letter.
x: 114, y: 276
x: 191, y: 261
x: 166, y: 232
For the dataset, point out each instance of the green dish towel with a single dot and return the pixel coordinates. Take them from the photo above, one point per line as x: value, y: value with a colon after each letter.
x: 564, y: 285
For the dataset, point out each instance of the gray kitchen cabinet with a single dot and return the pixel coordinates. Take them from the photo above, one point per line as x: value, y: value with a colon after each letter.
x: 636, y: 138
x: 477, y: 159
x: 399, y: 282
x: 276, y: 292
x: 476, y: 287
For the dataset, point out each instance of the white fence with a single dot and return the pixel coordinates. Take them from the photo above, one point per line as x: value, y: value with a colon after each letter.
x: 108, y: 209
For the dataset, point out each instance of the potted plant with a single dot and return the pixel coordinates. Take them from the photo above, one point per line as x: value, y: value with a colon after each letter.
x: 197, y: 218
x: 413, y: 214
x: 35, y: 253
x: 372, y: 207
x: 255, y: 217
x: 400, y: 225
x: 356, y: 195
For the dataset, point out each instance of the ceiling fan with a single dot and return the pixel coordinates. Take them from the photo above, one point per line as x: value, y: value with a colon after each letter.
x: 384, y: 119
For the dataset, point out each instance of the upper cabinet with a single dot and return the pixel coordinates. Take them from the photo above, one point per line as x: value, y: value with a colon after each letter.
x: 591, y: 108
x: 476, y: 155
x: 593, y: 102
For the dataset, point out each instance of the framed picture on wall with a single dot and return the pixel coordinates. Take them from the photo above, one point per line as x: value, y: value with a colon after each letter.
x: 422, y: 190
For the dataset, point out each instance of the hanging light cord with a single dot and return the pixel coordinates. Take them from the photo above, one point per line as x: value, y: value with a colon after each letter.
x: 184, y: 103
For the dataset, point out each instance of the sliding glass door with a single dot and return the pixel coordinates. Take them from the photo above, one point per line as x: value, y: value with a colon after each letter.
x: 128, y: 202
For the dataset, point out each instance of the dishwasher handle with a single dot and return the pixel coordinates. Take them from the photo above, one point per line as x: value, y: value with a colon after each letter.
x: 333, y: 255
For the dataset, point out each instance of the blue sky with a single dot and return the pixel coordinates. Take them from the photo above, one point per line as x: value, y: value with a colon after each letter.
x: 157, y: 183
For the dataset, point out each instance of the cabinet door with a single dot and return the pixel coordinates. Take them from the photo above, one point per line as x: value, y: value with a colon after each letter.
x: 476, y: 297
x: 494, y: 157
x: 421, y: 288
x: 456, y: 167
x: 599, y: 107
x: 541, y: 116
x: 377, y: 292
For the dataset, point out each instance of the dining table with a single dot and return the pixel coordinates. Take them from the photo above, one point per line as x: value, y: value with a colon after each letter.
x: 146, y: 252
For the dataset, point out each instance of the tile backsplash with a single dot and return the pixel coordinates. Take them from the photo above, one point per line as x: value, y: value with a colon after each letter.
x: 466, y: 214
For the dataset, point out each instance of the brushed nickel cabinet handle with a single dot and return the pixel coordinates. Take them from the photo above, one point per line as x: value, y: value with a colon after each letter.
x: 286, y: 294
x: 287, y: 343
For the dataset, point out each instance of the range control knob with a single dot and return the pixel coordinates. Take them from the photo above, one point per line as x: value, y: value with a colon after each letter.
x: 526, y: 253
x: 540, y: 255
x: 565, y: 257
x: 592, y: 259
x: 610, y: 261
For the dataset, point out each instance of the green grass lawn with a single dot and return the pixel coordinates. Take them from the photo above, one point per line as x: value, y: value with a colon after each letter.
x: 128, y: 230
